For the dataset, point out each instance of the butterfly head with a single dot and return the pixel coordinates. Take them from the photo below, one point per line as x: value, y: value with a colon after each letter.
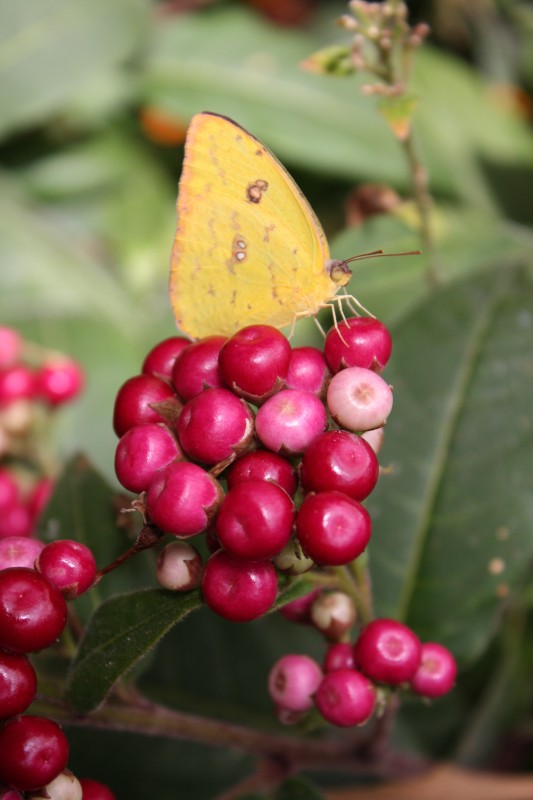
x: 339, y: 271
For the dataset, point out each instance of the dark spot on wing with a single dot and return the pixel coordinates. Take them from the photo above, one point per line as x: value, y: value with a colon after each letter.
x: 255, y: 191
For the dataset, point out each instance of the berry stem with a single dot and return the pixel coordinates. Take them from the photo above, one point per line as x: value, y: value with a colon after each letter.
x: 361, y: 574
x: 148, y: 537
x: 350, y: 586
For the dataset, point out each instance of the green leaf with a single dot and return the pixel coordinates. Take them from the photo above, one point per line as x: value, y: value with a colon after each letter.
x: 120, y: 633
x: 292, y: 789
x: 49, y: 48
x: 452, y: 522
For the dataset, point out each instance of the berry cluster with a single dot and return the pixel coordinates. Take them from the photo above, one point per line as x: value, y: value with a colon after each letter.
x: 258, y: 446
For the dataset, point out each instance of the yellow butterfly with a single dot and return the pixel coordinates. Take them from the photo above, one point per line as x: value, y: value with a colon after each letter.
x: 249, y: 248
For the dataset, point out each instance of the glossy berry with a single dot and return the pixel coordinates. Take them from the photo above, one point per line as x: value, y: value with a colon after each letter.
x: 19, y: 551
x: 339, y: 655
x: 358, y: 399
x: 197, y: 368
x: 159, y: 362
x: 179, y: 567
x: 308, y: 371
x: 33, y: 751
x: 254, y: 362
x: 9, y: 794
x: 437, y: 671
x: 214, y: 425
x: 59, y: 381
x: 16, y: 383
x: 332, y: 528
x: 239, y: 590
x: 69, y: 565
x: 33, y: 611
x: 358, y: 342
x: 135, y: 400
x: 10, y: 346
x: 183, y: 499
x: 262, y: 465
x: 289, y: 421
x: 64, y: 787
x: 388, y: 651
x: 293, y: 681
x: 94, y: 790
x: 255, y: 520
x: 340, y: 460
x: 345, y: 698
x: 142, y: 452
x: 374, y: 438
x: 333, y: 614
x: 18, y: 684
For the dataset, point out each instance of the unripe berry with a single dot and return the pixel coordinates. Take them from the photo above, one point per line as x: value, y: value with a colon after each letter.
x: 179, y: 567
x: 135, y: 401
x: 69, y: 565
x: 345, y: 698
x: 142, y: 452
x: 293, y: 681
x: 33, y: 612
x: 388, y: 651
x: 374, y: 438
x: 262, y: 465
x: 358, y: 399
x: 239, y: 590
x: 333, y: 613
x: 59, y: 381
x: 332, y: 528
x: 254, y: 362
x: 299, y: 610
x: 289, y: 421
x: 308, y: 371
x: 64, y: 787
x: 33, y: 751
x: 19, y: 551
x: 94, y: 790
x: 340, y: 460
x: 160, y: 360
x: 197, y: 367
x: 292, y: 560
x: 437, y: 671
x: 358, y: 342
x: 18, y: 684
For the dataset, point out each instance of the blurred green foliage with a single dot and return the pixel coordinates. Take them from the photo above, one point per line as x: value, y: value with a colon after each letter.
x: 87, y: 191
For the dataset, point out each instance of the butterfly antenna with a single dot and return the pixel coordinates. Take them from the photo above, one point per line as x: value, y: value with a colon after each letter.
x: 382, y: 254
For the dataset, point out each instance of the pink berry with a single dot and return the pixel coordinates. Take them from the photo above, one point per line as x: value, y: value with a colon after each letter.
x: 18, y: 684
x: 262, y: 465
x: 289, y: 421
x: 388, y: 651
x: 308, y: 371
x: 16, y: 383
x: 33, y: 611
x: 135, y: 401
x: 9, y: 491
x: 374, y: 438
x: 9, y: 794
x: 254, y: 362
x: 59, y: 381
x: 293, y: 681
x: 10, y: 346
x: 255, y: 520
x: 339, y: 655
x: 142, y: 452
x: 345, y: 697
x: 358, y: 342
x: 33, y: 751
x: 340, y: 460
x: 183, y: 499
x: 358, y: 399
x: 179, y: 567
x: 215, y: 425
x: 160, y: 360
x: 94, y: 790
x: 437, y: 671
x: 299, y: 610
x: 332, y: 528
x: 19, y: 551
x: 16, y: 521
x: 239, y: 590
x: 197, y: 368
x: 69, y: 565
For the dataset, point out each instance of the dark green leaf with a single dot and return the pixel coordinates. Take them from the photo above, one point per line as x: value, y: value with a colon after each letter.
x: 120, y: 633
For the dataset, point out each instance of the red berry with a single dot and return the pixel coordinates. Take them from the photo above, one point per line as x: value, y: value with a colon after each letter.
x: 135, y: 400
x: 33, y: 611
x: 197, y: 368
x: 254, y: 362
x: 93, y: 790
x: 345, y: 697
x: 16, y: 382
x: 183, y: 499
x: 358, y: 399
x: 437, y: 671
x: 308, y: 371
x: 160, y: 360
x: 142, y: 452
x: 339, y: 655
x: 16, y: 521
x: 340, y: 460
x: 19, y: 551
x: 332, y: 528
x: 358, y: 342
x: 18, y: 684
x: 293, y: 681
x: 388, y: 651
x: 59, y: 381
x: 214, y: 425
x: 289, y: 421
x: 239, y: 590
x: 262, y: 465
x: 33, y: 751
x: 255, y: 520
x: 69, y: 565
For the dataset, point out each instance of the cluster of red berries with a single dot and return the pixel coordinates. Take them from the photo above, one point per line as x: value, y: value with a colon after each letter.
x: 355, y: 677
x: 257, y: 445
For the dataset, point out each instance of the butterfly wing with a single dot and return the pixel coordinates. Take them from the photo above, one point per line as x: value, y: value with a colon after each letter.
x: 248, y: 247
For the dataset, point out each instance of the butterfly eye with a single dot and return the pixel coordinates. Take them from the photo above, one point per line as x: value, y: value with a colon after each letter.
x: 339, y: 271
